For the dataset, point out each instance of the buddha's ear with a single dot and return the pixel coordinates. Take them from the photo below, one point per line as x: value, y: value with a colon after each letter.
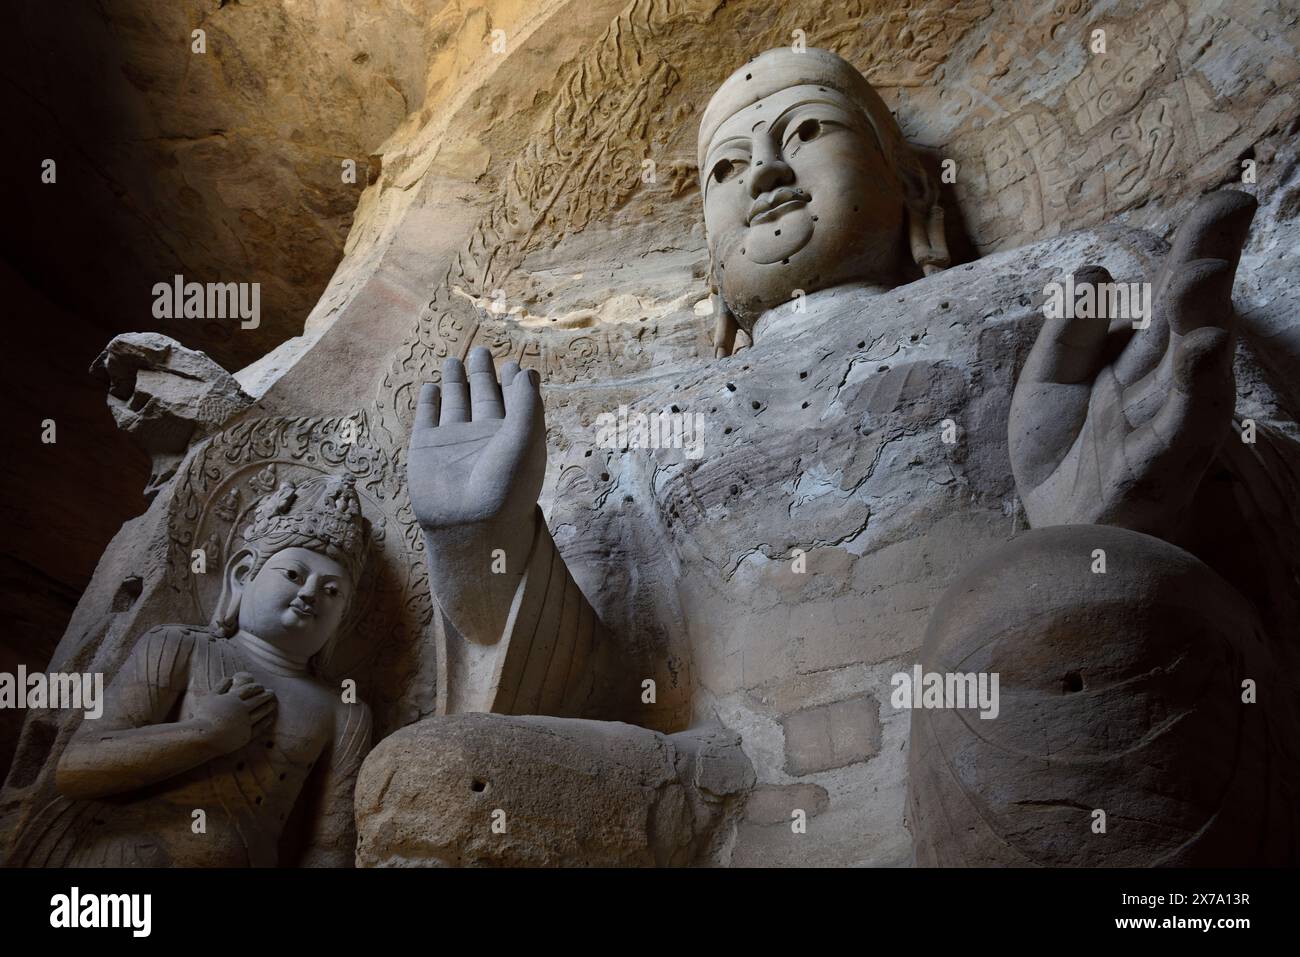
x: 925, y: 227
x: 724, y: 329
x: 724, y: 323
x: 928, y: 240
x: 238, y: 573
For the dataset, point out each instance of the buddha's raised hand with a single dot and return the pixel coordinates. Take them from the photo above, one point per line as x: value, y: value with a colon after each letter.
x: 1114, y: 425
x: 475, y: 466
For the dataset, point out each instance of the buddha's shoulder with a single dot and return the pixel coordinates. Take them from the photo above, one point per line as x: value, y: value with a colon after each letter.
x: 181, y: 639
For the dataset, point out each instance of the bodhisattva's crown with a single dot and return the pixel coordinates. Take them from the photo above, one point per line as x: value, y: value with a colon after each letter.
x: 324, y: 509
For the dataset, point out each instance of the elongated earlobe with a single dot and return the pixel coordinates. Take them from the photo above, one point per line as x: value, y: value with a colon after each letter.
x: 724, y: 329
x: 724, y: 323
x: 225, y: 619
x: 928, y: 240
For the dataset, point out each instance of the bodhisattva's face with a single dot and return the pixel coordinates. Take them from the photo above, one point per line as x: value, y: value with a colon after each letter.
x: 297, y: 601
x: 799, y: 196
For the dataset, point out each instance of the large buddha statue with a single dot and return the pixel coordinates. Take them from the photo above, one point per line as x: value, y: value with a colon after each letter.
x: 218, y: 746
x: 1155, y: 687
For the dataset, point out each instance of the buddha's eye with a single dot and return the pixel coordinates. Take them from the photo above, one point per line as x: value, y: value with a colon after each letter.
x: 725, y: 169
x: 808, y: 130
x: 291, y: 574
x: 332, y: 590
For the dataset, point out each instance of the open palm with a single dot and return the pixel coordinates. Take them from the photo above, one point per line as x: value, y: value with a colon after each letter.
x: 478, y: 448
x: 1116, y: 426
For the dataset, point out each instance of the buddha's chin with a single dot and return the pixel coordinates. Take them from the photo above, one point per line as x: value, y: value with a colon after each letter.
x: 754, y: 288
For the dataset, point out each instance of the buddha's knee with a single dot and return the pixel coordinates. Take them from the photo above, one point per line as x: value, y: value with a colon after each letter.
x: 495, y: 790
x: 1124, y: 731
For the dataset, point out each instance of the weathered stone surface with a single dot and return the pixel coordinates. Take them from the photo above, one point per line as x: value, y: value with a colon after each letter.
x: 832, y: 736
x: 775, y: 804
x: 1121, y: 693
x: 478, y: 790
x: 165, y: 397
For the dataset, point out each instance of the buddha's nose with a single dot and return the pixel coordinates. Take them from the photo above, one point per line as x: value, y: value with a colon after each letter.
x: 770, y: 169
x: 308, y: 590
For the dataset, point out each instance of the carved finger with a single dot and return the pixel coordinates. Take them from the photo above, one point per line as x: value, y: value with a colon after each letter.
x: 263, y: 714
x: 1216, y: 228
x: 484, y: 393
x: 241, y: 678
x: 455, y: 393
x: 508, y: 373
x: 224, y: 686
x: 426, y: 408
x: 1069, y: 350
x: 1199, y: 294
x: 259, y: 701
x: 249, y: 689
x: 524, y: 407
x: 1180, y: 440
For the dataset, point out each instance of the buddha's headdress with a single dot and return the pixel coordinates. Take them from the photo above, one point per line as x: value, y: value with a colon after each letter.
x: 323, y: 514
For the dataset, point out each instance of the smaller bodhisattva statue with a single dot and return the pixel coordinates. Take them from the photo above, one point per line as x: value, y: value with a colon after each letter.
x: 218, y: 747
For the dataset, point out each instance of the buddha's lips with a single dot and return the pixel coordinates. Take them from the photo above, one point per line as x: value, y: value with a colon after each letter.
x: 302, y: 611
x: 777, y: 204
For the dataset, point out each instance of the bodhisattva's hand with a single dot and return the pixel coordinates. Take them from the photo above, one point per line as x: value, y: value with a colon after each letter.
x: 475, y: 468
x: 1116, y: 426
x: 234, y: 711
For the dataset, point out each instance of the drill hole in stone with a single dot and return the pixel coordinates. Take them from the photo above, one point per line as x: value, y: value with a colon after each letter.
x: 478, y: 785
x: 1072, y: 683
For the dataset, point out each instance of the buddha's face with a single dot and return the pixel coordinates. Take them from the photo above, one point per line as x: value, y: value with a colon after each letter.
x: 296, y: 601
x: 798, y: 195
